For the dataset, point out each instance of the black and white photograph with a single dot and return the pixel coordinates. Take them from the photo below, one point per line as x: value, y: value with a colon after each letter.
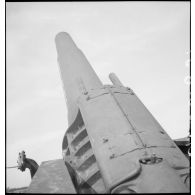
x: 98, y: 97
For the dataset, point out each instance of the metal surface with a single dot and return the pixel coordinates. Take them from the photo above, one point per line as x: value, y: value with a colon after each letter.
x: 114, y: 144
x: 76, y: 73
x: 51, y: 177
x: 80, y: 159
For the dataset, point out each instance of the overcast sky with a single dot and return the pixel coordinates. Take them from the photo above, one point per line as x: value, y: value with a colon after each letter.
x: 145, y: 43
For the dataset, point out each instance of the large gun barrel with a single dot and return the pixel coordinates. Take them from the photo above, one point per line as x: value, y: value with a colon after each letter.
x: 113, y: 143
x: 76, y: 72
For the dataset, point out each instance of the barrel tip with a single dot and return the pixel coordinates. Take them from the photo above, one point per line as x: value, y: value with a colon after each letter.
x: 62, y: 35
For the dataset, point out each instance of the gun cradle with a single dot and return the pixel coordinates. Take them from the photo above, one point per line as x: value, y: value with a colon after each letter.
x: 107, y: 143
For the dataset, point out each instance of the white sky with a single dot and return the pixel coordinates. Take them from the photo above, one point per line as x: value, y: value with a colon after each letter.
x: 145, y: 43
